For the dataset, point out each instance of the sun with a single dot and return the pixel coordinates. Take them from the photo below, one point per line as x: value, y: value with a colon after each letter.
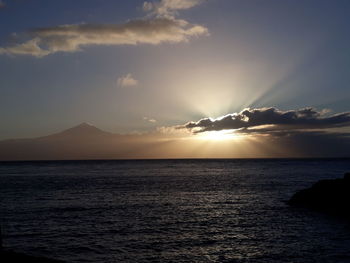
x: 218, y: 135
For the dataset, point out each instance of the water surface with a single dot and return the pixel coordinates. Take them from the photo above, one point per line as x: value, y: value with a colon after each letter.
x: 170, y: 211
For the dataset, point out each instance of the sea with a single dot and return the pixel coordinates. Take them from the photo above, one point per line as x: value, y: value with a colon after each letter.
x: 210, y: 210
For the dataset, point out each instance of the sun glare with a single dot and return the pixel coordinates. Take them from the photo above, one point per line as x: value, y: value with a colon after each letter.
x: 218, y: 135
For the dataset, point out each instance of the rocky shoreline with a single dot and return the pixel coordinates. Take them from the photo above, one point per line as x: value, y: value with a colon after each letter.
x: 327, y: 196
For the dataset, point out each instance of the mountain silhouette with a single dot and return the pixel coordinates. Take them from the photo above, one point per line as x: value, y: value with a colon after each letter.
x: 83, y: 141
x: 83, y: 130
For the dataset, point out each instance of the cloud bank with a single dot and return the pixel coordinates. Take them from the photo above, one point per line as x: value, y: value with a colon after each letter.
x: 268, y: 120
x: 154, y: 30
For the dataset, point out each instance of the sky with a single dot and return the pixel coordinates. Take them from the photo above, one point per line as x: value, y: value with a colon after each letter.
x: 177, y: 66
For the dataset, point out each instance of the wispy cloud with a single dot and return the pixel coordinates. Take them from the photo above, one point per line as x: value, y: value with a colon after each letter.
x: 127, y: 81
x: 152, y: 30
x: 270, y: 120
x: 169, y: 7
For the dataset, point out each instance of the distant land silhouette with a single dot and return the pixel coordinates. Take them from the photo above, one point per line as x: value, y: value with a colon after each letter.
x: 80, y: 142
x: 87, y: 142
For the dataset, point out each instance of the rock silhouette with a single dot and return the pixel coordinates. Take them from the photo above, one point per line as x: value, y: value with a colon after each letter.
x: 328, y: 196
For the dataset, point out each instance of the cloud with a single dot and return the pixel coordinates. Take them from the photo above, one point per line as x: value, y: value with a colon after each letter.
x: 149, y: 119
x: 2, y: 4
x: 30, y: 47
x: 127, y: 81
x: 275, y: 133
x: 270, y: 120
x: 168, y: 7
x: 151, y: 30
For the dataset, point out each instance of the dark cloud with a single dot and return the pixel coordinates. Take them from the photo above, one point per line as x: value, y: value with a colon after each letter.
x: 2, y: 4
x: 269, y: 120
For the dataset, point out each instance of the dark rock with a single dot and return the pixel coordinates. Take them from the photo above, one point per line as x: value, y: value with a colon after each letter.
x: 329, y: 196
x: 347, y: 176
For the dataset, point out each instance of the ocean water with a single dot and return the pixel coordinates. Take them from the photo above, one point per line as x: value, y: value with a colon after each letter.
x: 169, y: 211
